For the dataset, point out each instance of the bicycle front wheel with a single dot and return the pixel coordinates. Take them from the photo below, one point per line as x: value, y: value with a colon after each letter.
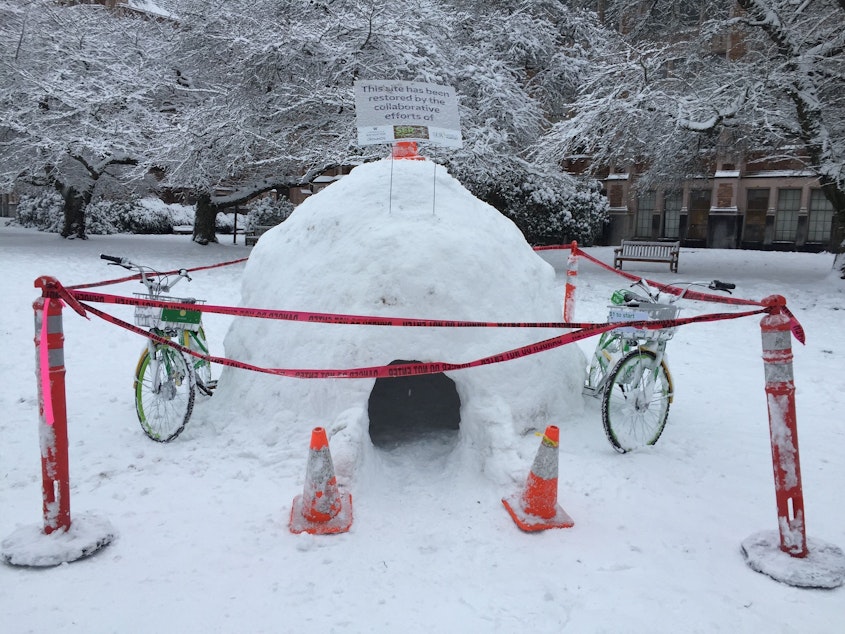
x: 164, y: 393
x: 635, y: 403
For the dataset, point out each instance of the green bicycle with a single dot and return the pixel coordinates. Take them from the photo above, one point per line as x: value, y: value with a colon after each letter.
x: 166, y: 380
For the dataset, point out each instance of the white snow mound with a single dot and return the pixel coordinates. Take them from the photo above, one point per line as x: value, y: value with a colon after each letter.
x: 400, y: 238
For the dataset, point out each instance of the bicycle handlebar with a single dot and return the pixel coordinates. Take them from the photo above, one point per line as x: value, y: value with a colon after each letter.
x: 654, y: 293
x: 147, y: 273
x: 113, y: 259
x: 716, y: 285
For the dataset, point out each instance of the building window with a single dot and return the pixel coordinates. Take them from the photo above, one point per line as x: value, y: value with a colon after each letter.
x: 821, y: 217
x: 756, y: 207
x: 614, y: 196
x: 645, y: 212
x: 672, y: 215
x: 786, y: 219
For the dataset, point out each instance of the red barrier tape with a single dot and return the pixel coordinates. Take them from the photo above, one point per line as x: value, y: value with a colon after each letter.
x: 74, y: 297
x: 664, y: 288
x: 137, y: 276
x: 795, y: 325
x: 586, y: 331
x: 307, y: 317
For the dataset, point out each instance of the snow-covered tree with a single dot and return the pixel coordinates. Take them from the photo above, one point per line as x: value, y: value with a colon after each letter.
x: 75, y: 107
x: 229, y: 100
x: 668, y: 99
x: 268, y: 100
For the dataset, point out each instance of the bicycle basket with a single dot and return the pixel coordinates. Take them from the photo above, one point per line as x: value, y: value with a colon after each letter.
x: 644, y: 312
x: 163, y: 317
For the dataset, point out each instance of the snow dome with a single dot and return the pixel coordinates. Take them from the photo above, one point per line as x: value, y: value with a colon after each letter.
x: 400, y: 238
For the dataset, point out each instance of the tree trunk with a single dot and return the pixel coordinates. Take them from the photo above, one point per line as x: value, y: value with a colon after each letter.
x: 74, y: 210
x: 836, y: 196
x: 205, y: 220
x: 837, y: 243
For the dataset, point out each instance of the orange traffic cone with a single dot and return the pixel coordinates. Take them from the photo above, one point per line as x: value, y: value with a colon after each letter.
x: 321, y: 509
x: 406, y: 150
x: 536, y: 508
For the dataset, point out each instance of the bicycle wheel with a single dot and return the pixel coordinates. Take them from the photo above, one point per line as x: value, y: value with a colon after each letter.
x: 197, y: 342
x: 635, y: 403
x: 164, y: 393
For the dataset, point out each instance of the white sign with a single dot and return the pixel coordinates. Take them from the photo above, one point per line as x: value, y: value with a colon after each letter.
x: 388, y: 111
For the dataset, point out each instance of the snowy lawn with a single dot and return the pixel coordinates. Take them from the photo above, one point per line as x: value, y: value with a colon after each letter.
x: 202, y: 523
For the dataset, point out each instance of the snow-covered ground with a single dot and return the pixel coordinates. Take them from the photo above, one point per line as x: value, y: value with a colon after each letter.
x: 202, y: 523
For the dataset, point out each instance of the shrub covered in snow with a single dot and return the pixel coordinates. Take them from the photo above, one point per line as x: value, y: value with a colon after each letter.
x: 125, y: 216
x: 43, y: 212
x: 549, y: 215
x: 130, y: 215
x: 266, y: 211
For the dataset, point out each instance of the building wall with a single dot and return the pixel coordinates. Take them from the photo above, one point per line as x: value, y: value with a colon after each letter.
x: 731, y: 208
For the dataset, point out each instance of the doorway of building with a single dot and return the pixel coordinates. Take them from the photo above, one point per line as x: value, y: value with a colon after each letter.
x: 409, y: 408
x: 699, y: 212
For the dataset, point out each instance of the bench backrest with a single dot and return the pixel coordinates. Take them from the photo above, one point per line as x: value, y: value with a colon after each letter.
x: 649, y: 249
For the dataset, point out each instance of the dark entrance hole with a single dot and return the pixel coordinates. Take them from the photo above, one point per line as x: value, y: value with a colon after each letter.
x: 407, y: 408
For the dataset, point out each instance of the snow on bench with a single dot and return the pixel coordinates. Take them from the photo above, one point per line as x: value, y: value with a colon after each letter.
x: 639, y: 251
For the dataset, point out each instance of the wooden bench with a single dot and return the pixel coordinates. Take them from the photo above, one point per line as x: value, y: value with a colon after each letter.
x: 635, y: 250
x: 251, y: 237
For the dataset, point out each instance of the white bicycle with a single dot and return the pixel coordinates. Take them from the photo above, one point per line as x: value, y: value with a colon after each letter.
x: 628, y: 369
x: 166, y: 380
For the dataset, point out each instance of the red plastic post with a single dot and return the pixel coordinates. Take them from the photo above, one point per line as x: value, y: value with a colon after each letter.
x: 52, y: 411
x: 406, y: 150
x: 571, y: 277
x: 783, y: 429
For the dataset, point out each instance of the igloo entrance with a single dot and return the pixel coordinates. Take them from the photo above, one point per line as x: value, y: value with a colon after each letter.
x: 407, y: 408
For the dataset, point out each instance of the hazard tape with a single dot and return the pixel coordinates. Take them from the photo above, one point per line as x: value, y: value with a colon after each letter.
x: 664, y: 288
x: 436, y: 367
x: 687, y: 293
x: 75, y: 297
x: 137, y: 276
x: 303, y: 316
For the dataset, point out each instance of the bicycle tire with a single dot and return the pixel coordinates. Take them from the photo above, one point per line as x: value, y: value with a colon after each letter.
x: 629, y: 422
x: 163, y: 413
x: 198, y: 343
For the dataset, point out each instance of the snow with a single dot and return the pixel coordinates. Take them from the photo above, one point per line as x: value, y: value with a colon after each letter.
x: 201, y: 524
x: 394, y: 238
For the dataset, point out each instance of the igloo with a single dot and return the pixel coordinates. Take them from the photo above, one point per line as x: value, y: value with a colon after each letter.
x: 401, y: 238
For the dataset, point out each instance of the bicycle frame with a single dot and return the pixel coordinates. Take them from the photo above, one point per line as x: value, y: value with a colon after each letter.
x: 156, y: 359
x: 607, y: 358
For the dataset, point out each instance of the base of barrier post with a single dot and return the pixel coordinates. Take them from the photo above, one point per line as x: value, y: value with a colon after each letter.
x: 31, y: 546
x: 822, y: 567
